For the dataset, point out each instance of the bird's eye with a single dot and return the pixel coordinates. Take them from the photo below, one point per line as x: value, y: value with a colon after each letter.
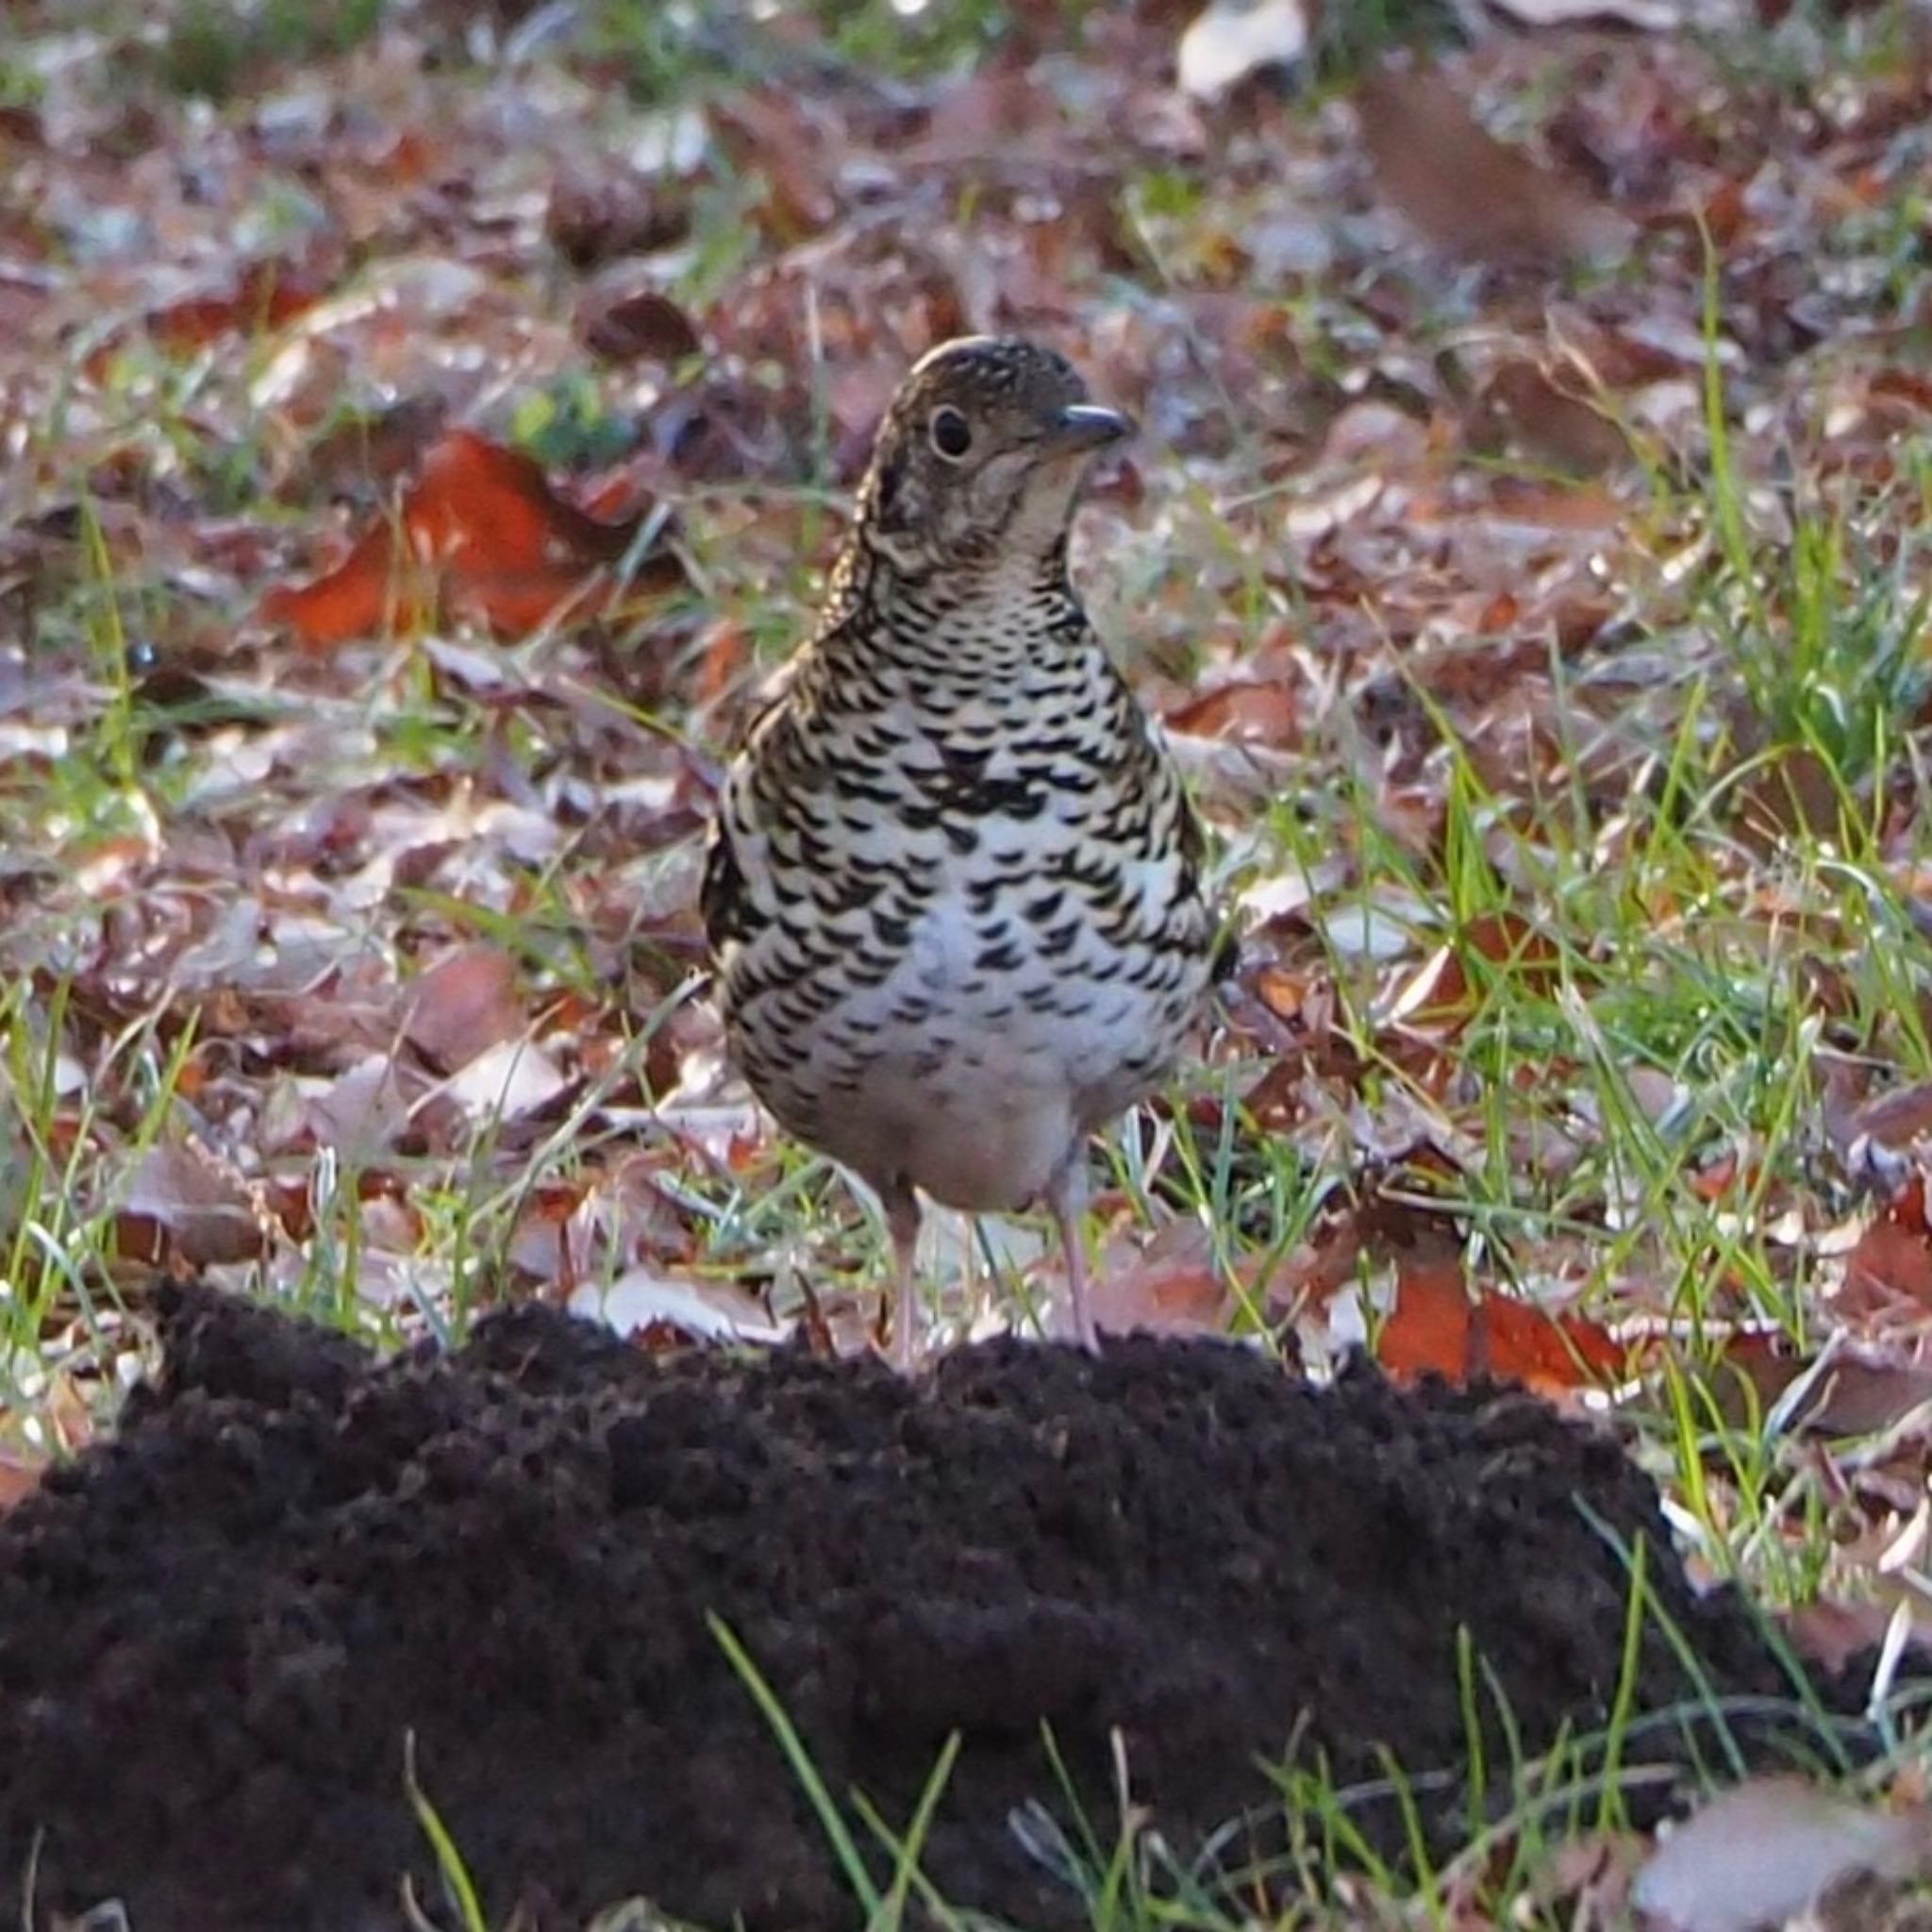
x: 952, y: 435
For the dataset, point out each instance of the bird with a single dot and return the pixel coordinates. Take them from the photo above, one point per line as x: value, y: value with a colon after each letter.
x: 953, y: 886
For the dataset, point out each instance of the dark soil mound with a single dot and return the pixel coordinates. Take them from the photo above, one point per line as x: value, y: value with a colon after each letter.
x: 215, y: 1631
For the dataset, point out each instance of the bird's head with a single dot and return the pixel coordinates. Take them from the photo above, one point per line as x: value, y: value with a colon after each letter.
x: 981, y: 456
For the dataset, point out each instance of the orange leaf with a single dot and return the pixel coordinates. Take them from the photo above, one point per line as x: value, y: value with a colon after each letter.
x: 350, y: 600
x: 726, y: 652
x: 1428, y: 1330
x: 1437, y: 1328
x: 1442, y: 990
x: 481, y: 535
x: 1714, y: 1182
x: 1517, y: 1343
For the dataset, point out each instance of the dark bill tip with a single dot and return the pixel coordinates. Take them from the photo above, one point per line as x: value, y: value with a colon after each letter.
x: 1089, y: 426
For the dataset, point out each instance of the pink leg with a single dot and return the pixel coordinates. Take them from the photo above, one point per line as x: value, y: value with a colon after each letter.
x: 1066, y: 1197
x: 902, y: 1221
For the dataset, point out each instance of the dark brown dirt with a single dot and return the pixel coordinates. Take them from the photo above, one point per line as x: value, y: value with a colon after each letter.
x: 215, y: 1631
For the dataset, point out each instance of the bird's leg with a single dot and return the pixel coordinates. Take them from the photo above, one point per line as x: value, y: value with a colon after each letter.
x: 902, y: 1223
x: 1066, y: 1194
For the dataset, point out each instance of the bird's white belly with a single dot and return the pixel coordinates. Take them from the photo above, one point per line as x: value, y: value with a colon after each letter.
x: 983, y: 1099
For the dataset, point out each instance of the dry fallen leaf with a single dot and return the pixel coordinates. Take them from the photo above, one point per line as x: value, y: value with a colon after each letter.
x: 1523, y: 409
x: 462, y: 1006
x: 625, y: 318
x: 646, y: 1298
x: 1852, y: 1390
x: 262, y: 295
x: 1896, y: 1118
x: 1888, y: 1273
x: 184, y: 1202
x: 1766, y: 1850
x: 1833, y: 1634
x: 1469, y: 194
x: 1170, y: 1287
x: 509, y: 1080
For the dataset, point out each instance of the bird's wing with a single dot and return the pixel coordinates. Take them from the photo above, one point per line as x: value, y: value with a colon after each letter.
x: 724, y: 898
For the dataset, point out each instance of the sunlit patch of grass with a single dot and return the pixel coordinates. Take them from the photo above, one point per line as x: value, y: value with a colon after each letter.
x: 898, y: 36
x: 19, y: 85
x: 61, y: 1268
x: 1712, y: 1011
x: 1828, y: 630
x: 1815, y: 37
x: 1348, y: 39
x: 214, y: 50
x: 674, y: 54
x: 1709, y: 930
x: 569, y: 424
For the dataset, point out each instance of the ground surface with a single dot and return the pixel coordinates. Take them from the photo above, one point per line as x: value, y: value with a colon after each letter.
x: 425, y: 430
x: 293, y: 1555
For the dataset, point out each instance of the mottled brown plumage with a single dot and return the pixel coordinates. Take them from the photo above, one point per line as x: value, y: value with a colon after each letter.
x: 953, y: 889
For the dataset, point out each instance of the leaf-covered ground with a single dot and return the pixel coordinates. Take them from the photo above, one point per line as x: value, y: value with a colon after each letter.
x: 422, y: 431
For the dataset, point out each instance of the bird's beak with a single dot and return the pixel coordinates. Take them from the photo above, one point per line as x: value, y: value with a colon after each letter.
x: 1083, y: 428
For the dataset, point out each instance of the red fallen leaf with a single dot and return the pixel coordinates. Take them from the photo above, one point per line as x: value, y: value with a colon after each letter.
x: 266, y: 295
x: 1761, y: 1367
x: 1544, y: 1352
x: 1284, y: 993
x: 1429, y: 1329
x: 1724, y: 216
x: 1861, y: 1394
x: 1890, y: 1268
x: 1906, y: 385
x: 482, y: 534
x: 626, y: 322
x: 1712, y: 1183
x: 288, y: 1201
x: 1436, y: 1328
x: 727, y: 653
x: 1507, y: 939
x: 1523, y: 408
